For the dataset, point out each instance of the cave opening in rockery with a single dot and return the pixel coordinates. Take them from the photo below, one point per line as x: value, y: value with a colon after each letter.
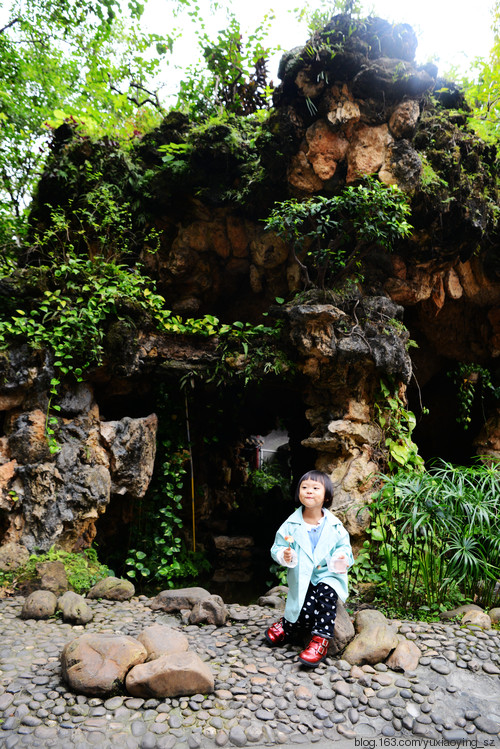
x: 226, y: 465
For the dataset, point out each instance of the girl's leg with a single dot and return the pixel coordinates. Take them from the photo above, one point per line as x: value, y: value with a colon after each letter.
x: 324, y: 611
x: 281, y: 632
x: 321, y: 611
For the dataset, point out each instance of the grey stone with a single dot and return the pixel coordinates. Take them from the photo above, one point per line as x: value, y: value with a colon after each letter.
x: 441, y: 666
x: 454, y: 735
x: 41, y: 604
x: 486, y: 725
x: 237, y: 736
x: 113, y: 589
x: 74, y: 608
x: 342, y: 703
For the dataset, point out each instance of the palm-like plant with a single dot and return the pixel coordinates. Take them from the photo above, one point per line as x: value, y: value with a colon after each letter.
x: 439, y: 534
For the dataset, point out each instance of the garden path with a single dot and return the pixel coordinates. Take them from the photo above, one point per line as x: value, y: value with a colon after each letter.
x: 263, y: 696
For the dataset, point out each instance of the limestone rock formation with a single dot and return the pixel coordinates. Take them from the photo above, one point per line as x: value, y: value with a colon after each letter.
x: 351, y: 103
x: 83, y: 474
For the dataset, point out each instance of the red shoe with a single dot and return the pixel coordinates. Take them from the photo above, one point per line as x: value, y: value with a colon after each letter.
x: 276, y: 635
x: 315, y: 652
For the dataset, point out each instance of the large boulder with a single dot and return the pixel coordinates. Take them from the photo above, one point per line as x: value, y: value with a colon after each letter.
x: 74, y: 608
x: 209, y: 611
x: 97, y: 664
x: 459, y: 611
x: 374, y: 640
x: 478, y: 618
x: 52, y: 577
x: 372, y: 645
x: 275, y: 598
x: 113, y: 589
x: 160, y: 640
x: 41, y: 604
x: 170, y: 676
x: 173, y: 601
x: 405, y: 657
x: 368, y: 618
x: 344, y: 630
x: 494, y: 615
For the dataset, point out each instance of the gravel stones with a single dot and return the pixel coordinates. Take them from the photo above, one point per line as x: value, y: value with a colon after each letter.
x: 262, y: 695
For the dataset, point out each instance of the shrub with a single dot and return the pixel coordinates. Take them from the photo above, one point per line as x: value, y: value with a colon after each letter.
x: 437, y: 536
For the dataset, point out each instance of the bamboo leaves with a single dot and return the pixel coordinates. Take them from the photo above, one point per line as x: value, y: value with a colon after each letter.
x: 439, y: 535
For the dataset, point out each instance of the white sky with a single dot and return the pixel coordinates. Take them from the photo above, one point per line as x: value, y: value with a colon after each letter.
x: 450, y: 33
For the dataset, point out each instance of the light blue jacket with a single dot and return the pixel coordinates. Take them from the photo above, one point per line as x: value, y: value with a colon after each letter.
x: 312, y: 567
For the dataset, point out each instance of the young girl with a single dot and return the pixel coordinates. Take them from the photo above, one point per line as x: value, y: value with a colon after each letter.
x: 315, y: 547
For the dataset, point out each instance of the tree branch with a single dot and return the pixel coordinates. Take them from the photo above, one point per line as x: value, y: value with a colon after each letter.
x: 11, y: 23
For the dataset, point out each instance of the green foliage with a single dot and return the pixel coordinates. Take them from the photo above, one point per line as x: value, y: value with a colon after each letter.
x: 279, y: 574
x: 250, y: 353
x: 470, y: 380
x: 232, y: 77
x: 83, y: 569
x: 265, y: 478
x: 436, y: 536
x: 397, y: 423
x: 60, y: 59
x: 81, y: 298
x: 337, y: 232
x: 430, y: 181
x: 219, y: 157
x: 321, y: 13
x: 482, y: 87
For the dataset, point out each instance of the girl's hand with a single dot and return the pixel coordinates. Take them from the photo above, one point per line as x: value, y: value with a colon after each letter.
x: 287, y: 555
x: 340, y: 564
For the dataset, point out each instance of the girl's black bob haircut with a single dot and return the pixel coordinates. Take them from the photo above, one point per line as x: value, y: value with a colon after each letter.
x: 322, y: 478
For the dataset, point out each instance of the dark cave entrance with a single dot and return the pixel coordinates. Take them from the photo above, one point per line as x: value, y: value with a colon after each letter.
x: 439, y: 433
x: 247, y: 456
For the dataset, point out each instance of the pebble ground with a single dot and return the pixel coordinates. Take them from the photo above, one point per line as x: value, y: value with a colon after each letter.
x: 263, y: 696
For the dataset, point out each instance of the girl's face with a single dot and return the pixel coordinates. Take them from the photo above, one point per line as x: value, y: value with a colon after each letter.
x: 311, y: 494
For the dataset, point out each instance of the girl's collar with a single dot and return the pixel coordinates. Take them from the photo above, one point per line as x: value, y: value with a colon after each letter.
x: 312, y: 526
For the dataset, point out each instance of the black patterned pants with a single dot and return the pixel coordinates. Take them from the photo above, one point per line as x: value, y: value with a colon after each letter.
x: 318, y: 613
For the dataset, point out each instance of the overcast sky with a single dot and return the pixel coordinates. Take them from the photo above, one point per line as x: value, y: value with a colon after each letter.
x: 450, y: 33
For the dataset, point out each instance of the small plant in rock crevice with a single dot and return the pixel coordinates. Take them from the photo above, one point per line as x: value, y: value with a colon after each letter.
x: 330, y: 236
x: 83, y: 569
x: 471, y: 380
x: 397, y: 423
x: 158, y: 552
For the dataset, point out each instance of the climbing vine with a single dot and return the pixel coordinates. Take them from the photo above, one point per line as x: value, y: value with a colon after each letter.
x: 470, y: 380
x: 397, y: 423
x: 158, y: 551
